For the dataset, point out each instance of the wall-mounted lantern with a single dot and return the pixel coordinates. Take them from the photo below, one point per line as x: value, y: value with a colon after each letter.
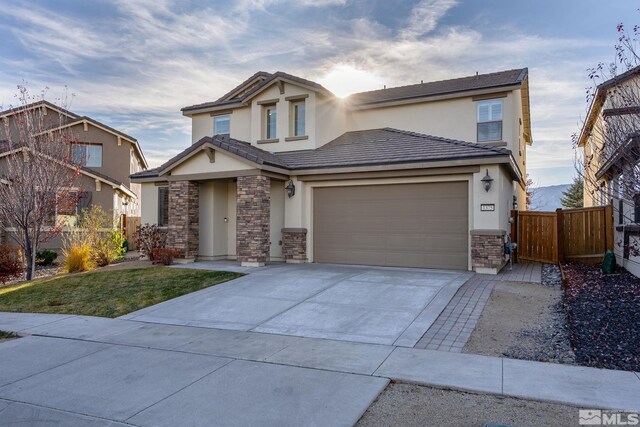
x: 487, y: 181
x: 291, y: 188
x: 515, y: 203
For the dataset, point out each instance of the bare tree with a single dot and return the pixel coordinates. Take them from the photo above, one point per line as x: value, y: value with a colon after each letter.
x: 38, y: 174
x: 608, y: 155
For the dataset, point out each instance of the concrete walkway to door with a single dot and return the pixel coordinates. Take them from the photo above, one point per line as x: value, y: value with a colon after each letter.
x: 377, y: 305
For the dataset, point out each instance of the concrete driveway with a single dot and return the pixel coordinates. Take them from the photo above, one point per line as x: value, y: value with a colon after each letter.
x: 377, y: 305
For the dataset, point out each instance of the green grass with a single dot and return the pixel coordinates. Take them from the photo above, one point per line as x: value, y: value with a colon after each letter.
x: 107, y: 293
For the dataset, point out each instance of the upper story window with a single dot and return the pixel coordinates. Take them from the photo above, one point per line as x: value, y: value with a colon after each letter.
x: 222, y: 124
x: 299, y: 118
x: 270, y: 122
x: 490, y: 120
x: 88, y: 155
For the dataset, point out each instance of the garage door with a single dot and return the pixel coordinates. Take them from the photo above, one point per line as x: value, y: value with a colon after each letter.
x: 405, y: 225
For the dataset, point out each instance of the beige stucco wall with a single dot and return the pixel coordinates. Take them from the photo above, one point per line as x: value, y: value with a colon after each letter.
x: 200, y: 163
x: 149, y: 214
x: 450, y: 118
x: 240, y: 125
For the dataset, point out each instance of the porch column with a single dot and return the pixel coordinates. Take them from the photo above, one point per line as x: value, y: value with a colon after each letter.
x: 183, y: 218
x: 487, y: 251
x: 253, y: 200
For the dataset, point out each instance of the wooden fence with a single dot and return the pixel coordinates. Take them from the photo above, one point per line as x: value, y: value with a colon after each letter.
x: 129, y: 226
x: 574, y: 234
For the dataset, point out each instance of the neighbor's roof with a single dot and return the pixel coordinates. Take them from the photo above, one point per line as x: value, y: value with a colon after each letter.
x: 443, y: 87
x: 12, y: 111
x: 253, y: 85
x: 358, y: 148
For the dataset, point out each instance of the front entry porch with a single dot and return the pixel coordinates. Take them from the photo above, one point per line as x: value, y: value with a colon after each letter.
x: 236, y: 218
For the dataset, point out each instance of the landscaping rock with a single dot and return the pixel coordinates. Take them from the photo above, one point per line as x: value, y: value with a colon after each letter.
x: 604, y: 317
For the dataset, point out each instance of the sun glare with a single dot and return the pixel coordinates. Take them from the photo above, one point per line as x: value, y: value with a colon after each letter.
x: 343, y: 80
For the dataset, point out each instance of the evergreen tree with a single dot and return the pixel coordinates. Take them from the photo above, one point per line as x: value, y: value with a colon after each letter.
x: 572, y: 196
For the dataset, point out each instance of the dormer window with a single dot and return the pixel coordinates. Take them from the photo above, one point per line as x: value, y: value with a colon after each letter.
x: 222, y: 125
x: 490, y: 120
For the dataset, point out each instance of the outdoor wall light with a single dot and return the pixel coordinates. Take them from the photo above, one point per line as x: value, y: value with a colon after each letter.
x: 226, y: 219
x: 515, y: 203
x: 487, y: 181
x: 291, y: 189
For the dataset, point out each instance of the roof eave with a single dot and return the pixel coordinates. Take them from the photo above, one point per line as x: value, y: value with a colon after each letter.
x: 431, y: 98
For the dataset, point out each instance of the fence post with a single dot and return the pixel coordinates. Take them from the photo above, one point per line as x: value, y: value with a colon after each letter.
x: 560, y: 234
x: 514, y: 233
x: 608, y: 228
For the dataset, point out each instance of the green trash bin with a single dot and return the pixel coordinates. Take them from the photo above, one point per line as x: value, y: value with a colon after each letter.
x: 609, y: 264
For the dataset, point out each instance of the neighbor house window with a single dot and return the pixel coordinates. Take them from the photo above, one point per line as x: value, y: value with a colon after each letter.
x: 163, y: 206
x: 88, y: 155
x: 222, y: 125
x: 271, y: 119
x: 298, y: 118
x: 490, y: 120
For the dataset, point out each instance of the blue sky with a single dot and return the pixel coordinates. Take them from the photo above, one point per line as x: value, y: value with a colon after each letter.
x: 134, y: 63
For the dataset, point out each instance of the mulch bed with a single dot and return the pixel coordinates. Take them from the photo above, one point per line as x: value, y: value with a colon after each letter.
x: 604, y: 316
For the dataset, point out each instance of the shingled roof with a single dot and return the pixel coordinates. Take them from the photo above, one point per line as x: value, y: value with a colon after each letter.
x: 358, y: 148
x: 443, y: 87
x: 253, y: 84
x: 385, y: 147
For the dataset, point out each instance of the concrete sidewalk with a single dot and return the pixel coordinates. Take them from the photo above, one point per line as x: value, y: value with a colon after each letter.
x: 325, y: 371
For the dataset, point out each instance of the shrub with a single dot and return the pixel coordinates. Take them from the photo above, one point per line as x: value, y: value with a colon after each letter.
x: 165, y: 255
x: 11, y: 264
x: 45, y: 257
x: 108, y: 247
x: 78, y: 258
x: 150, y: 237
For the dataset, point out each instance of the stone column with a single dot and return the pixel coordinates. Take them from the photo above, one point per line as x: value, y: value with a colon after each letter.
x: 184, y: 216
x: 253, y: 200
x: 294, y: 244
x: 487, y: 250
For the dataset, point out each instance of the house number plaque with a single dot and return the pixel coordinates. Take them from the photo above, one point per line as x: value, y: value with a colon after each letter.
x: 488, y: 207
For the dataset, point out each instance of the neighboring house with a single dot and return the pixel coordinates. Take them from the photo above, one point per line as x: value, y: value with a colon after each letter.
x: 610, y: 141
x: 281, y: 169
x: 107, y: 157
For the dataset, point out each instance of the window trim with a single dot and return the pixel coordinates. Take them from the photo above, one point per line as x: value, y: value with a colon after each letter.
x: 84, y: 161
x: 293, y: 119
x: 217, y: 116
x: 266, y: 122
x: 489, y: 102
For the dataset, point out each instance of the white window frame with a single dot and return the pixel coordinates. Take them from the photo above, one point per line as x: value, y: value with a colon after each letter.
x: 216, y: 118
x: 267, y: 122
x: 295, y: 117
x: 491, y: 119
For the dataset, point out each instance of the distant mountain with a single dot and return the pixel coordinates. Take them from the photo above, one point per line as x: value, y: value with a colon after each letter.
x: 548, y: 198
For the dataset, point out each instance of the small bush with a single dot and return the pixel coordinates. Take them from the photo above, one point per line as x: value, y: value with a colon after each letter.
x: 165, y: 255
x: 45, y: 257
x: 108, y: 248
x: 150, y: 237
x: 10, y: 263
x: 78, y: 258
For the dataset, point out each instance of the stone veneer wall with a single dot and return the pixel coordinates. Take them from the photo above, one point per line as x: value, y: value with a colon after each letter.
x: 294, y: 244
x: 183, y: 218
x: 487, y: 248
x: 253, y: 200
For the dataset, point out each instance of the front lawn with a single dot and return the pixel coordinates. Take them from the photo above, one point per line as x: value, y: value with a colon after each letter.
x: 107, y: 293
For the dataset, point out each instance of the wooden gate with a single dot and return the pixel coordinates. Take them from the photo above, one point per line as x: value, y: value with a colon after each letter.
x: 130, y: 226
x: 574, y: 234
x: 537, y: 236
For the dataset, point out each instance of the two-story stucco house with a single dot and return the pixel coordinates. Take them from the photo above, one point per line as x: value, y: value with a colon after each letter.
x: 107, y: 158
x: 414, y: 176
x: 609, y: 140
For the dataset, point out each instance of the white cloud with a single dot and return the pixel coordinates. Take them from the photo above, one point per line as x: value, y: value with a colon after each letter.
x: 425, y: 17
